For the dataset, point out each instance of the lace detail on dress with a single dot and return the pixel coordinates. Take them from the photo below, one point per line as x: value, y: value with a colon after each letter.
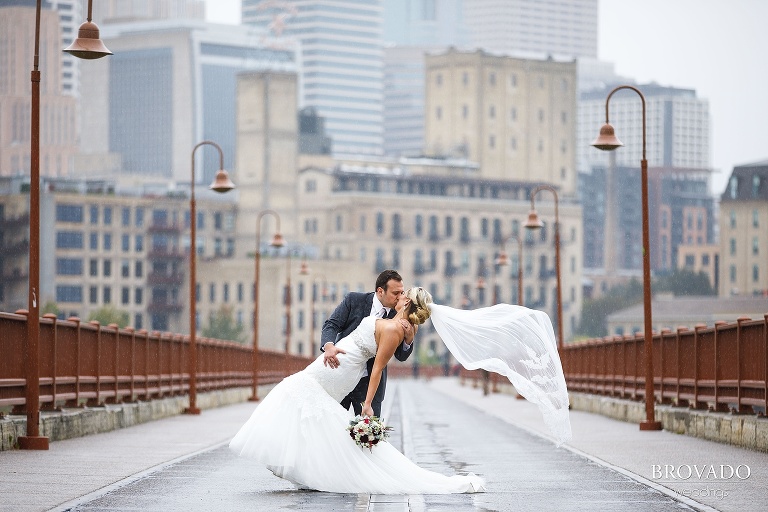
x: 362, y: 338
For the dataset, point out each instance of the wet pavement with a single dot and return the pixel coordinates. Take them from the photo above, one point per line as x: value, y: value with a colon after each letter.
x: 183, y: 463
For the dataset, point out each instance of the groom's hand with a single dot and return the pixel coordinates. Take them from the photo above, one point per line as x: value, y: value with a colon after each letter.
x: 329, y: 357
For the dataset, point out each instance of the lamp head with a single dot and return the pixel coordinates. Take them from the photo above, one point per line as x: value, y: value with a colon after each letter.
x: 88, y: 45
x: 607, y: 140
x: 533, y: 222
x: 480, y: 283
x: 304, y: 269
x: 222, y: 183
x: 502, y: 259
x: 277, y: 240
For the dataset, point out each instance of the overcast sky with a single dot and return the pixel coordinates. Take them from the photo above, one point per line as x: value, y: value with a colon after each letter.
x: 718, y: 47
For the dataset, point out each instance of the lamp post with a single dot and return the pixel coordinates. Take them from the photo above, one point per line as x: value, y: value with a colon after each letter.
x: 277, y: 241
x: 534, y: 222
x: 503, y: 260
x: 91, y: 48
x: 220, y: 184
x: 607, y: 141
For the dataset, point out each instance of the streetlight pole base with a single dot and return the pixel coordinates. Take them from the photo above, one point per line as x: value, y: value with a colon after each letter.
x: 33, y: 442
x: 253, y: 399
x: 192, y: 410
x: 650, y: 425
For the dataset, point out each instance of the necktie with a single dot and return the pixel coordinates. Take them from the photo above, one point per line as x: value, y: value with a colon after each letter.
x: 382, y: 313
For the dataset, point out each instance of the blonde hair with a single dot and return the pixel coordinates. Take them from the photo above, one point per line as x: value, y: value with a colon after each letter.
x: 419, y: 311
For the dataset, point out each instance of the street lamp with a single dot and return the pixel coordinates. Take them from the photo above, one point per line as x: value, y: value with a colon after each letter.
x: 33, y: 440
x: 220, y: 184
x: 534, y: 222
x: 277, y: 241
x: 503, y: 260
x: 607, y: 141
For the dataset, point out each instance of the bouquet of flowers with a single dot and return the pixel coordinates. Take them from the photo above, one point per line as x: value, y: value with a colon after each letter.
x: 367, y: 431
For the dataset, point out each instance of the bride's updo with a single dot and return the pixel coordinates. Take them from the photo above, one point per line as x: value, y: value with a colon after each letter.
x: 419, y: 311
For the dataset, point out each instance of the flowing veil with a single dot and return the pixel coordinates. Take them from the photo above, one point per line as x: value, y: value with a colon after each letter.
x: 516, y: 342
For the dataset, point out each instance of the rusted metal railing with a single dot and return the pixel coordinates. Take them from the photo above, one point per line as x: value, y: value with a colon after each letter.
x: 722, y: 367
x: 84, y: 363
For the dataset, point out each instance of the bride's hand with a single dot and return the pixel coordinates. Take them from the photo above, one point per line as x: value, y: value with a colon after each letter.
x: 367, y: 410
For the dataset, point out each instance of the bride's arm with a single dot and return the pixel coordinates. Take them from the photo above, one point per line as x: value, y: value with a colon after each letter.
x: 391, y: 337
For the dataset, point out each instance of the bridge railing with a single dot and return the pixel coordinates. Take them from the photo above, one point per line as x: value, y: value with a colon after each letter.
x: 722, y: 367
x: 84, y: 363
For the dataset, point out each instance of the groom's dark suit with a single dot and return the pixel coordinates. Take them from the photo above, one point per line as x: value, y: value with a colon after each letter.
x: 345, y: 319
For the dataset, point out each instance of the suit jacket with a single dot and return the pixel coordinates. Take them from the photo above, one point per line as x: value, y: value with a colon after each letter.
x: 348, y: 315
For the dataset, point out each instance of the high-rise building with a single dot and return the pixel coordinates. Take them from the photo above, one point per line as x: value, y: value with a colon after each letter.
x: 743, y: 233
x: 120, y: 11
x: 681, y: 214
x: 515, y: 117
x: 169, y: 85
x: 525, y: 28
x: 677, y: 127
x: 341, y: 63
x: 58, y: 115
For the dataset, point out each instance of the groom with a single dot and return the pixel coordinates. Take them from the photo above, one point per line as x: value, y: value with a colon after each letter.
x: 348, y: 315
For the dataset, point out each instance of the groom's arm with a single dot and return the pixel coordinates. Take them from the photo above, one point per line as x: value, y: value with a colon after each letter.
x: 336, y: 323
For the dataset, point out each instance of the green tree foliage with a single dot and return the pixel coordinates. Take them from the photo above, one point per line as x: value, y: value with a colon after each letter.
x: 222, y: 326
x: 110, y: 315
x: 684, y: 283
x: 51, y: 307
x: 594, y: 312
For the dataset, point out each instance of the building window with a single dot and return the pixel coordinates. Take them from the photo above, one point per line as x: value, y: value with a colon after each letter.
x: 755, y: 246
x: 733, y: 246
x: 418, y: 227
x: 492, y: 141
x: 139, y: 217
x: 239, y: 292
x: 138, y: 322
x: 212, y: 293
x: 733, y: 273
x: 226, y: 292
x: 69, y: 266
x: 438, y: 113
x: 69, y: 213
x: 513, y: 114
x: 733, y: 219
x: 125, y: 295
x: 448, y: 227
x: 69, y: 240
x: 126, y: 214
x: 93, y: 294
x: 126, y: 243
x: 107, y: 241
x: 125, y: 268
x: 107, y: 215
x: 94, y: 214
x: 107, y: 295
x: 380, y: 223
x: 139, y: 245
x: 139, y: 269
x: 541, y: 115
x: 339, y: 224
x: 439, y: 79
x: 217, y: 220
x: 492, y: 78
x: 93, y: 267
x: 310, y: 186
x: 513, y: 80
x: 492, y: 112
x: 362, y: 223
x: 755, y: 273
x: 464, y: 111
x: 465, y: 78
x: 107, y: 268
x: 93, y: 241
x: 138, y: 296
x: 755, y: 219
x: 755, y: 186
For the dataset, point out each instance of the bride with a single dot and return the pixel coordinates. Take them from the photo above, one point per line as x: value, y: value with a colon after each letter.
x: 299, y: 429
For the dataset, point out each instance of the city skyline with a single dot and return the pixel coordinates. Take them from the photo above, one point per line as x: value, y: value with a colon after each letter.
x: 686, y: 32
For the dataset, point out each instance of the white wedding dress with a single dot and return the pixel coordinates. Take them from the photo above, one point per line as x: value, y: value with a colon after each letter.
x: 299, y: 432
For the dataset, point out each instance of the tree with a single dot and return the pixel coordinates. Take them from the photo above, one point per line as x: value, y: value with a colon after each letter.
x: 222, y: 326
x: 110, y: 315
x: 684, y: 282
x: 594, y: 312
x: 51, y: 307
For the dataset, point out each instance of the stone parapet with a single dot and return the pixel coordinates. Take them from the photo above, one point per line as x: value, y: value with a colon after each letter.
x: 71, y: 423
